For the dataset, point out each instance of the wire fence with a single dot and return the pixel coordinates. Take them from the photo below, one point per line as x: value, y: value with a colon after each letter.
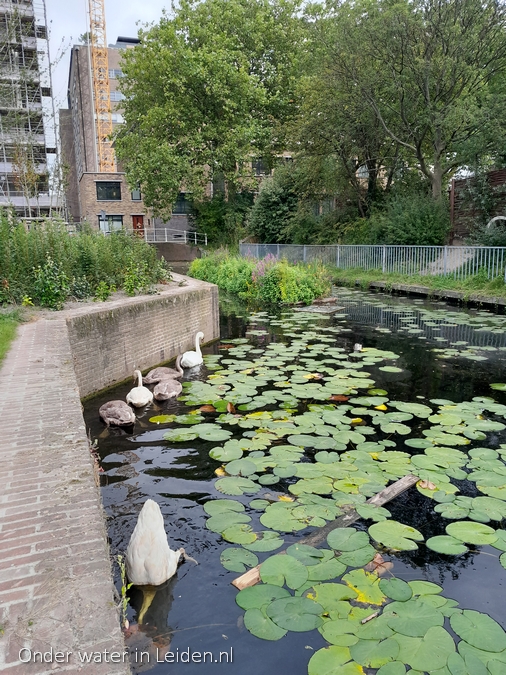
x: 458, y: 261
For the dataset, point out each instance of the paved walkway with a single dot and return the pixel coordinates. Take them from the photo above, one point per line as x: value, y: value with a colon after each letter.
x: 55, y: 578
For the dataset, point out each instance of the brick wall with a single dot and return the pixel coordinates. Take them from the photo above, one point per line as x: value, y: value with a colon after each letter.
x: 110, y: 341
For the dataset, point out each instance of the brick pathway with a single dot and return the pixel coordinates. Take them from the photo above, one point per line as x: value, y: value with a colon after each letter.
x: 55, y: 579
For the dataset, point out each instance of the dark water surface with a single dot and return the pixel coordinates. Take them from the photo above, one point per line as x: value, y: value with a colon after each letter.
x: 197, y: 608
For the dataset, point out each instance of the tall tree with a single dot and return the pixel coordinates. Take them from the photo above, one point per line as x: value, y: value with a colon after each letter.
x: 425, y: 69
x: 206, y: 91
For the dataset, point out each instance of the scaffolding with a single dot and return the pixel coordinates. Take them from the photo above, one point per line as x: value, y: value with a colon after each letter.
x: 27, y: 131
x: 101, y: 89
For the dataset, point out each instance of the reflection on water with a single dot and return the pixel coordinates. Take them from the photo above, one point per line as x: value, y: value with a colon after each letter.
x: 197, y: 608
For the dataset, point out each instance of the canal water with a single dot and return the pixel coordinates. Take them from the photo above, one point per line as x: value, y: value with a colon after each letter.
x: 444, y: 353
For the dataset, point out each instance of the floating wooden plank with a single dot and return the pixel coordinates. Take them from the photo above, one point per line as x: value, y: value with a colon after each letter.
x: 252, y: 576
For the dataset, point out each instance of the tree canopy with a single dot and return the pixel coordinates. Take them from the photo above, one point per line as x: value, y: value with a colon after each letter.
x: 423, y: 70
x: 207, y: 90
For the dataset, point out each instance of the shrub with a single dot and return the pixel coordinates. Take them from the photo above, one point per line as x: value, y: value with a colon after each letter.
x: 103, y: 291
x: 51, y: 284
x: 274, y: 208
x: 222, y: 219
x: 82, y: 260
x: 414, y: 219
x: 267, y: 281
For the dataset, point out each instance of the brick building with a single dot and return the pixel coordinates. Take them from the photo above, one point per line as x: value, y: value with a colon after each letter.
x: 101, y: 199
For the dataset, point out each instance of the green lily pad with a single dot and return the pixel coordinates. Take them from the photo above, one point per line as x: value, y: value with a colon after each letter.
x: 266, y: 541
x: 260, y: 595
x: 347, y: 539
x: 241, y: 467
x: 366, y: 586
x: 395, y: 535
x: 180, y: 435
x: 237, y: 559
x: 307, y: 555
x: 472, y: 533
x: 297, y: 614
x: 215, y: 506
x: 224, y: 520
x: 371, y: 512
x: 428, y: 653
x: 446, y: 544
x: 239, y: 534
x: 413, y: 618
x: 236, y: 485
x: 422, y: 588
x: 281, y: 569
x: 359, y: 557
x: 333, y: 660
x: 261, y: 626
x: 331, y: 596
x: 227, y: 453
x: 162, y: 419
x: 479, y: 630
x: 396, y: 589
x: 317, y: 442
x: 374, y: 653
x: 394, y: 668
x: 329, y: 569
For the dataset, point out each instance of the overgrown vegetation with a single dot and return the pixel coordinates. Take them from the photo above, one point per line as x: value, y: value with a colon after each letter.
x: 8, y: 325
x: 269, y: 280
x: 46, y: 265
x: 223, y: 218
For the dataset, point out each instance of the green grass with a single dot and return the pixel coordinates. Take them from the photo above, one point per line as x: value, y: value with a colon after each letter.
x: 8, y: 325
x: 477, y: 285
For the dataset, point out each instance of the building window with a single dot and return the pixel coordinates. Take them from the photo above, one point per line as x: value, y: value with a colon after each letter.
x: 260, y: 168
x: 115, y: 74
x: 108, y: 191
x: 117, y: 96
x: 182, y: 204
x: 136, y: 195
x: 110, y: 224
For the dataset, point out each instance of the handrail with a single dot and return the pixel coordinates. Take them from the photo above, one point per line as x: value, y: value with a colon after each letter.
x: 167, y: 235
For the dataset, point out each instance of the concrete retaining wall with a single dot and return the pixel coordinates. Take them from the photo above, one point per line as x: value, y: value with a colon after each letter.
x: 109, y: 342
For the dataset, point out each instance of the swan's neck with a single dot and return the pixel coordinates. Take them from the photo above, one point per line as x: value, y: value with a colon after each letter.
x: 197, y: 345
x: 139, y: 379
x: 179, y: 370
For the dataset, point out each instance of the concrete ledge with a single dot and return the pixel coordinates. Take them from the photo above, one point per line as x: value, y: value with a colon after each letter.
x: 434, y: 293
x: 109, y: 340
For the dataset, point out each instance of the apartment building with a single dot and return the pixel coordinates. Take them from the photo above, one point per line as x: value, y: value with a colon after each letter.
x: 101, y: 199
x: 104, y: 200
x: 25, y: 109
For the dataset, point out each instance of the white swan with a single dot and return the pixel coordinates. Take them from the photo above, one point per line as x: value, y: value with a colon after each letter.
x: 191, y: 359
x: 168, y: 387
x: 163, y: 373
x: 149, y: 558
x: 117, y: 413
x: 139, y: 396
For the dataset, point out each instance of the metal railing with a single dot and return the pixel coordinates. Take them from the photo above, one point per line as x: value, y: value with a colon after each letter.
x: 167, y: 235
x: 457, y: 261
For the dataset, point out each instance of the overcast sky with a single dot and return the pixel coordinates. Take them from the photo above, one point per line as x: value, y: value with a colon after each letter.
x: 68, y: 19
